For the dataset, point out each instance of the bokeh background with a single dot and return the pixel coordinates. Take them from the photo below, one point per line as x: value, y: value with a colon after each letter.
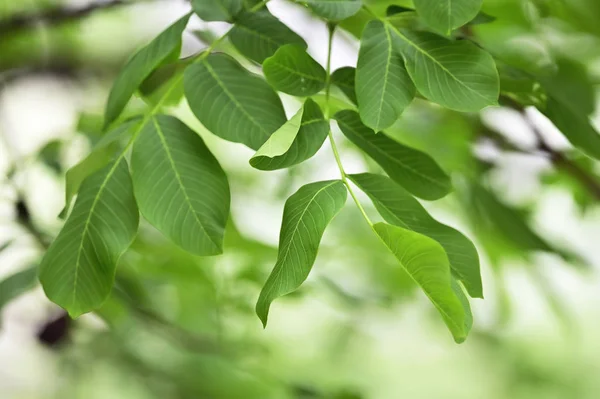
x: 184, y: 327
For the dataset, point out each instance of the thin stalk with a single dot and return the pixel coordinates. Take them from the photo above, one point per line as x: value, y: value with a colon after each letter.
x: 336, y: 154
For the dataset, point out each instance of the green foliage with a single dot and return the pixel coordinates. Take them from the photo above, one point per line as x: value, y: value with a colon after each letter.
x: 305, y: 216
x: 181, y: 189
x: 17, y: 284
x: 292, y: 71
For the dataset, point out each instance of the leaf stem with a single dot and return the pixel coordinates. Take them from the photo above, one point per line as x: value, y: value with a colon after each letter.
x: 336, y: 154
x: 259, y: 6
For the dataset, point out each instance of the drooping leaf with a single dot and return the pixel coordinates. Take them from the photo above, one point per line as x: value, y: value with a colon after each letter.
x: 292, y: 71
x: 333, y: 10
x: 141, y: 65
x: 464, y: 301
x: 426, y: 262
x: 231, y: 102
x: 296, y: 141
x: 446, y: 15
x: 100, y: 156
x: 78, y: 270
x: 17, y: 284
x: 344, y: 79
x: 179, y: 185
x: 217, y: 10
x: 401, y: 209
x: 305, y: 216
x: 412, y: 169
x: 456, y: 74
x: 383, y: 87
x: 258, y: 35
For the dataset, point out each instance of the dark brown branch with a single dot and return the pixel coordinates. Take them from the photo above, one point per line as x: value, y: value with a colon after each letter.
x: 59, y: 15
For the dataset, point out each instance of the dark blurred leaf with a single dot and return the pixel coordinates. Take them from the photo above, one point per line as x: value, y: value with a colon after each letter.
x: 217, y: 10
x: 17, y: 284
x: 50, y: 155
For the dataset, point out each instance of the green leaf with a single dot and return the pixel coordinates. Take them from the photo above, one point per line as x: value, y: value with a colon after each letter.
x: 141, y: 65
x: 231, y: 102
x: 343, y: 78
x: 78, y: 269
x: 179, y: 185
x: 456, y: 74
x: 217, y: 10
x: 412, y: 169
x: 165, y: 85
x: 334, y: 10
x: 296, y: 141
x: 100, y: 156
x: 305, y: 216
x: 383, y: 87
x: 292, y: 71
x: 258, y: 35
x: 17, y: 284
x: 426, y: 262
x: 401, y: 209
x: 446, y: 15
x: 464, y: 301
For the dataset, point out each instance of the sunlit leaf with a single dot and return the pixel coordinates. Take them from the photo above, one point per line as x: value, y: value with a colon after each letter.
x: 296, y: 141
x: 401, y: 209
x: 179, y: 185
x: 446, y: 15
x: 16, y: 284
x: 305, y: 216
x: 412, y: 169
x: 78, y: 270
x: 456, y: 74
x: 141, y: 65
x: 258, y: 35
x: 217, y: 10
x: 231, y: 102
x: 333, y: 10
x: 426, y: 262
x: 292, y: 71
x: 383, y: 87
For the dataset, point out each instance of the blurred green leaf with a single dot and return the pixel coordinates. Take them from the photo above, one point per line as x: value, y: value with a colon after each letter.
x: 16, y: 284
x: 446, y: 15
x: 217, y: 10
x: 292, y: 71
x: 231, y: 102
x: 180, y: 186
x: 412, y: 169
x: 78, y: 270
x: 305, y: 217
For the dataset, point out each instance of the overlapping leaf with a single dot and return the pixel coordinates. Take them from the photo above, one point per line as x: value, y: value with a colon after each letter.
x: 456, y: 74
x: 179, y: 185
x: 78, y: 269
x: 383, y: 87
x: 446, y: 15
x: 258, y: 35
x: 412, y: 169
x: 399, y: 208
x: 141, y: 65
x: 334, y: 10
x: 17, y: 284
x: 97, y: 159
x: 296, y: 141
x: 305, y: 216
x: 231, y: 102
x: 344, y: 79
x: 217, y: 10
x: 292, y: 71
x: 426, y: 262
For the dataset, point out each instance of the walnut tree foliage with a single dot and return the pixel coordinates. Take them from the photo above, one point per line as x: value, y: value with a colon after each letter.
x: 153, y: 166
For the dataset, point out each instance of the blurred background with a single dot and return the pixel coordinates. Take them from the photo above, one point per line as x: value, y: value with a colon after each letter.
x: 179, y: 326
